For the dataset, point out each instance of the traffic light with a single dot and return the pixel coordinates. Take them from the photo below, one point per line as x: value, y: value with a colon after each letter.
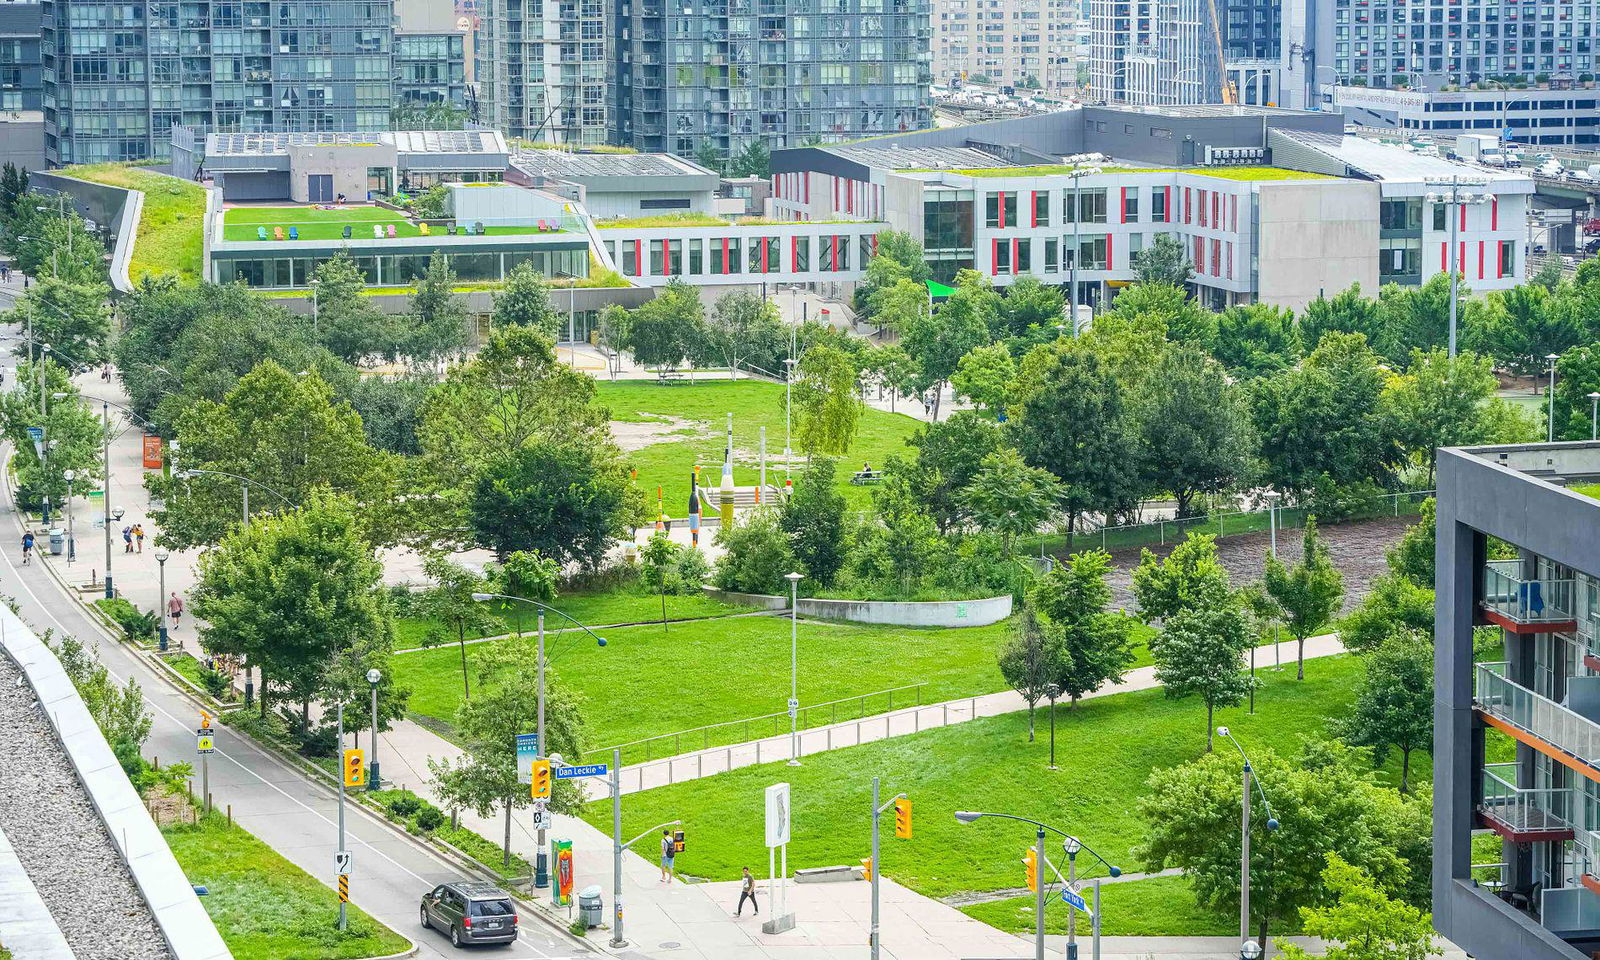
x: 677, y: 841
x: 866, y: 868
x: 541, y: 780
x: 355, y: 767
x: 902, y: 818
x: 1031, y: 863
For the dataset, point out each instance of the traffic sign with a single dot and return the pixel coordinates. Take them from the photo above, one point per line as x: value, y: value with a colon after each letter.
x: 585, y: 770
x: 527, y: 752
x: 205, y: 742
x: 541, y: 817
x: 1075, y: 899
x: 341, y: 862
x: 344, y: 888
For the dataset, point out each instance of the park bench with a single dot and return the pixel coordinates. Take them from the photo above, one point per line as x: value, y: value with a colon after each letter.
x: 863, y: 477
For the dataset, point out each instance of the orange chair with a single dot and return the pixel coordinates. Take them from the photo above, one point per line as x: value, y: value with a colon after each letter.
x: 277, y: 233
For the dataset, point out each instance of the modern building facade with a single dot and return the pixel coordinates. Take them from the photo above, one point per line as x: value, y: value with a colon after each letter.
x: 542, y: 68
x: 1517, y: 738
x: 430, y: 68
x: 1026, y: 44
x: 117, y: 79
x: 1542, y: 116
x: 321, y: 167
x: 21, y: 74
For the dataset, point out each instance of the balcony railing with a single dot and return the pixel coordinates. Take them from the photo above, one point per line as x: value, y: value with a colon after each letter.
x: 1511, y: 703
x: 1523, y: 815
x: 1512, y: 600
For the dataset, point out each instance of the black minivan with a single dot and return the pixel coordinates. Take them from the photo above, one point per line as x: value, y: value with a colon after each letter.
x: 471, y: 911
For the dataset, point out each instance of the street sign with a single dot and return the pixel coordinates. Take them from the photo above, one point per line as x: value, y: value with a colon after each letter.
x: 794, y: 707
x: 777, y: 820
x: 527, y: 752
x: 541, y: 817
x: 585, y: 770
x: 36, y: 434
x: 344, y: 888
x: 341, y: 862
x: 1075, y: 899
x: 204, y: 742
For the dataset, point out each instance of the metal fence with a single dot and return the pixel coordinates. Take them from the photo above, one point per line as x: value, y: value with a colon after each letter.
x: 752, y: 729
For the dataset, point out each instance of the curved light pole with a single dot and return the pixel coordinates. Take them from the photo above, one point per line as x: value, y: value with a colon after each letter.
x: 1550, y: 415
x: 794, y: 667
x: 1071, y: 845
x: 161, y: 601
x: 1244, y: 837
x: 1594, y: 415
x: 541, y: 870
x: 244, y: 487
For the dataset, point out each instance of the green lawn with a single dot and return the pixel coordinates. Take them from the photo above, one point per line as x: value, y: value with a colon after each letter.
x: 715, y: 671
x: 241, y: 223
x: 594, y: 610
x: 754, y: 404
x: 169, y: 239
x: 1157, y: 907
x: 664, y: 220
x: 1106, y: 751
x: 265, y: 907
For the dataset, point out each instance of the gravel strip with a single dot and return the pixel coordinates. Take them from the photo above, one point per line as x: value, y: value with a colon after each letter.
x: 61, y: 841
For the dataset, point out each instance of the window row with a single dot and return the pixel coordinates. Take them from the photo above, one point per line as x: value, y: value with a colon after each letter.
x: 719, y: 256
x: 1032, y: 208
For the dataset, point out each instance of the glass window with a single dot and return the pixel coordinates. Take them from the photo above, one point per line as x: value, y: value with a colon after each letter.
x: 1507, y: 258
x: 1089, y: 206
x: 947, y: 220
x: 802, y: 254
x: 1092, y: 253
x: 1135, y: 244
x: 696, y: 257
x: 1400, y: 258
x: 1438, y: 216
x: 1002, y: 257
x: 1130, y: 205
x: 1158, y: 204
x: 630, y: 258
x: 1052, y: 255
x: 658, y: 258
x: 1024, y: 256
x: 1041, y: 208
x: 1400, y: 214
x: 1000, y: 209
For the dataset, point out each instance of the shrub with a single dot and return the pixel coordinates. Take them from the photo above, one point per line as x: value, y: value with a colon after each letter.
x: 758, y: 555
x: 429, y: 818
x: 136, y: 626
x: 214, y: 683
x: 693, y: 570
x: 320, y: 741
x: 404, y: 803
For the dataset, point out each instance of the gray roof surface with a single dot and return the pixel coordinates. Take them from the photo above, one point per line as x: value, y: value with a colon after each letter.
x: 405, y: 141
x: 919, y: 158
x: 1382, y: 161
x: 559, y: 163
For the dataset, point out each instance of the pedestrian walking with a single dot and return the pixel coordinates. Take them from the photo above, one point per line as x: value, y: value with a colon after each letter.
x: 127, y: 539
x: 748, y: 891
x: 175, y: 609
x: 27, y: 547
x: 138, y: 536
x: 668, y: 852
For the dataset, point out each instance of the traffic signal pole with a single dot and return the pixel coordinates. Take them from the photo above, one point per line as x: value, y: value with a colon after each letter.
x: 1038, y: 899
x: 343, y: 920
x: 877, y: 814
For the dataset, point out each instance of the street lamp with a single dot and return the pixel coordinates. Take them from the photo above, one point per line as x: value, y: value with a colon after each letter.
x: 1594, y: 415
x: 161, y: 596
x: 1249, y: 950
x: 1244, y: 836
x: 105, y: 453
x: 1550, y: 415
x: 1457, y: 199
x: 373, y: 676
x: 1271, y: 496
x: 1080, y: 170
x: 1071, y: 845
x: 244, y: 487
x: 69, y: 476
x: 1051, y: 692
x: 541, y: 870
x: 794, y: 667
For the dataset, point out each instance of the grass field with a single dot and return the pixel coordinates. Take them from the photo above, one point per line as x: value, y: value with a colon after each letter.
x: 1157, y: 907
x: 754, y: 404
x: 714, y: 671
x: 265, y: 907
x: 241, y: 223
x: 1106, y: 751
x: 624, y: 605
x: 171, y: 224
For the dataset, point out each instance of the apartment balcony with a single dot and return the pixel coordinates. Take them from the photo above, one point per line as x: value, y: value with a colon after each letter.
x: 1538, y: 720
x: 1523, y: 815
x: 1522, y: 605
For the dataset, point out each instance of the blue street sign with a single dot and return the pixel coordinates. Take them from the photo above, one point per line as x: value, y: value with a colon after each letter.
x: 527, y: 752
x: 586, y: 770
x: 37, y: 435
x: 1074, y: 898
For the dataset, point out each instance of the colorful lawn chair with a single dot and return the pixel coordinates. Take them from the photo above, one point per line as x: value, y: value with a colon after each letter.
x: 261, y: 233
x: 277, y: 233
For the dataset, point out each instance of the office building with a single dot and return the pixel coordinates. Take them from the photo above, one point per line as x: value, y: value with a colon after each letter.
x: 1517, y: 734
x: 430, y: 57
x: 21, y: 80
x: 117, y: 79
x: 1025, y: 44
x: 1549, y: 115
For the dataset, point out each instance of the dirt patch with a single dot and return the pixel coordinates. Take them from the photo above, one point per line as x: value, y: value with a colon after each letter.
x: 1357, y: 549
x: 632, y: 435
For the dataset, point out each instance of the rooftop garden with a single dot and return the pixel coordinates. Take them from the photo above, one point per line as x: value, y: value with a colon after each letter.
x: 316, y: 223
x: 1063, y: 169
x: 664, y: 220
x: 168, y: 241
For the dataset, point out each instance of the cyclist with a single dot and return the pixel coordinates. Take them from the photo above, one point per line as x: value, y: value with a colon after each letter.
x: 27, y: 547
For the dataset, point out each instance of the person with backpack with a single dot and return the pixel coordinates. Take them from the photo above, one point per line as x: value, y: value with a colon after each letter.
x: 27, y: 547
x: 747, y: 890
x: 127, y: 539
x: 668, y: 851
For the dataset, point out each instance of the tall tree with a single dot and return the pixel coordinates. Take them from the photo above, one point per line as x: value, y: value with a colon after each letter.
x: 291, y: 593
x: 744, y: 325
x: 1440, y: 401
x: 984, y: 376
x: 1010, y: 498
x: 451, y: 613
x: 827, y: 408
x: 1027, y: 659
x: 1394, y: 704
x: 346, y: 321
x: 936, y: 343
x: 1577, y: 376
x: 1416, y: 318
x: 1071, y: 421
x: 898, y: 257
x: 1412, y: 556
x: 755, y: 160
x: 1257, y: 340
x: 1308, y: 593
x: 1183, y: 318
x: 1031, y: 310
x: 1190, y: 578
x: 1195, y: 431
x: 668, y: 330
x: 289, y: 437
x: 524, y: 301
x: 569, y: 501
x: 1520, y: 327
x: 1201, y: 653
x: 1394, y: 606
x: 813, y: 519
x: 1363, y: 923
x: 1092, y: 646
x: 438, y: 317
x: 1163, y: 261
x: 74, y: 434
x: 72, y: 317
x: 1345, y: 312
x: 948, y: 455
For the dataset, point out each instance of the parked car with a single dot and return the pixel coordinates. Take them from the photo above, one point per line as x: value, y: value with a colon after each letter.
x: 470, y: 911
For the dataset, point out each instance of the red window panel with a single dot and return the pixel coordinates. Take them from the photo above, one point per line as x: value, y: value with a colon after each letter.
x: 1202, y: 198
x: 1233, y: 213
x: 1444, y: 257
x: 1461, y: 260
x: 1110, y: 251
x: 1186, y: 207
x: 806, y: 185
x: 1480, y: 259
x: 794, y: 254
x: 1002, y: 207
x: 1499, y: 258
x: 1494, y: 213
x: 1122, y: 207
x: 1463, y: 209
x: 1216, y: 257
x: 1216, y: 203
x: 724, y: 254
x: 1230, y: 261
x: 1167, y: 204
x: 1199, y: 255
x: 994, y: 257
x: 1033, y: 208
x: 1016, y: 254
x: 833, y: 259
x: 874, y: 247
x: 765, y: 241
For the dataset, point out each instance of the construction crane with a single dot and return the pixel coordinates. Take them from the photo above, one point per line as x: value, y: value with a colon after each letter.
x: 1230, y: 95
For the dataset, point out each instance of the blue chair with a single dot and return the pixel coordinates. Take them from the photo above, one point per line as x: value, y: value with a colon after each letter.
x: 294, y: 233
x: 261, y: 233
x: 347, y: 231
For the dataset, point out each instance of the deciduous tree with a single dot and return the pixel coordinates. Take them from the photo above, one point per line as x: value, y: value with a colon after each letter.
x: 1394, y: 704
x: 813, y: 519
x: 1010, y: 498
x: 1201, y: 653
x: 438, y: 321
x: 827, y: 408
x: 936, y: 343
x: 524, y: 301
x: 984, y: 376
x: 948, y: 455
x: 1189, y: 578
x: 1257, y: 340
x: 1195, y: 431
x: 345, y: 321
x: 1363, y: 923
x: 1163, y: 261
x: 1308, y: 593
x: 1027, y: 660
x: 1092, y: 646
x: 569, y: 501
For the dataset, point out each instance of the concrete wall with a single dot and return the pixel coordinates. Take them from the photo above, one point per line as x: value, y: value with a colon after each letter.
x: 936, y: 613
x: 761, y: 600
x: 347, y: 163
x: 113, y: 209
x: 1315, y: 236
x: 22, y: 139
x: 496, y: 204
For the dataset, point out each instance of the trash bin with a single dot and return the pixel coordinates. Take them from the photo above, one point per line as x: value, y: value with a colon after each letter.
x: 58, y: 541
x: 590, y: 908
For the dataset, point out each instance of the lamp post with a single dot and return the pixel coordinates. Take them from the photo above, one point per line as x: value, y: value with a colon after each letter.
x: 161, y: 596
x: 1271, y: 496
x: 1071, y: 845
x: 788, y: 383
x: 1051, y: 692
x: 1550, y: 414
x: 373, y: 676
x: 316, y: 320
x: 1594, y: 415
x: 1078, y: 173
x: 69, y: 476
x: 1249, y: 950
x: 794, y: 668
x: 541, y: 870
x: 1244, y: 835
x: 244, y: 487
x: 1455, y: 200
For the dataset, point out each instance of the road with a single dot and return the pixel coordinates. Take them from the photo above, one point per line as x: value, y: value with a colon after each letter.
x: 295, y: 816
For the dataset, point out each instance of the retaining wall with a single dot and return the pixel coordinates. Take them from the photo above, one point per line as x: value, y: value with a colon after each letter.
x: 113, y: 208
x: 895, y: 613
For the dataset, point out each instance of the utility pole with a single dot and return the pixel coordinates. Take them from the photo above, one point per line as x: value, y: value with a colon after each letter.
x: 616, y: 848
x: 1038, y: 896
x: 1072, y: 847
x: 877, y: 867
x: 105, y: 500
x: 541, y: 862
x: 343, y: 920
x: 1244, y: 859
